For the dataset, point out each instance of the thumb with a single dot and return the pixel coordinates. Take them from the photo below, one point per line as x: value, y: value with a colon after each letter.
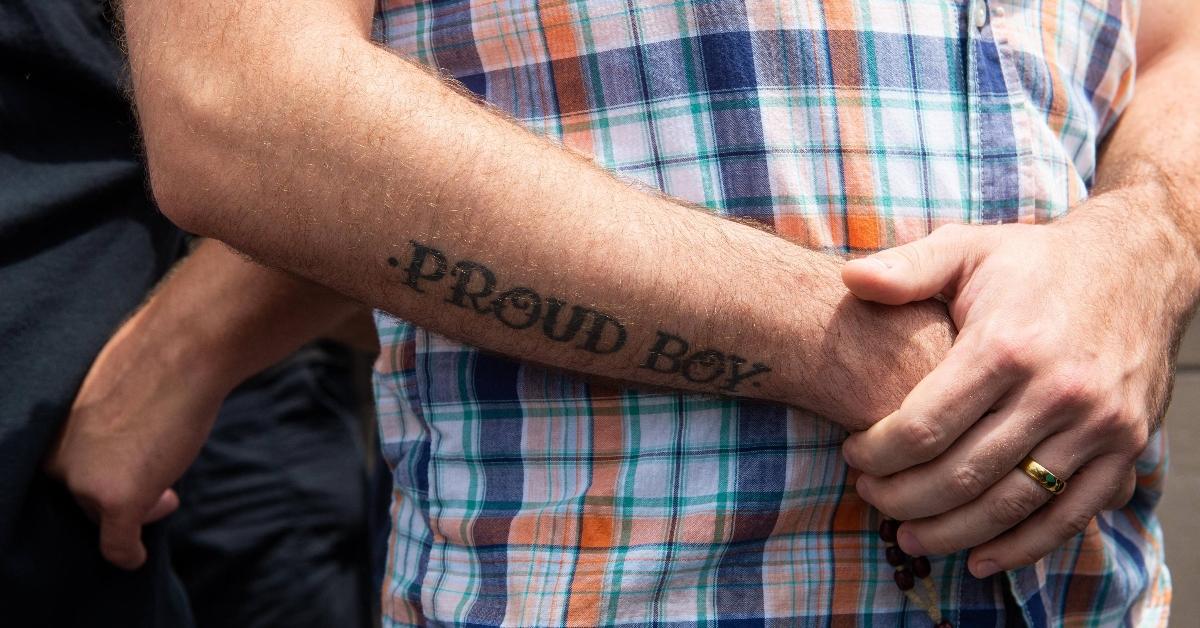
x: 913, y: 272
x: 167, y: 503
x: 121, y: 540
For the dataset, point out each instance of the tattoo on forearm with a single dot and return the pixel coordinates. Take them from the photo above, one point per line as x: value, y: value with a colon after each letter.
x: 516, y: 308
x: 473, y: 287
x: 670, y: 355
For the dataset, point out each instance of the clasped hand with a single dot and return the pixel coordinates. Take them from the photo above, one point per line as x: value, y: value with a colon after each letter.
x: 130, y: 434
x: 1063, y: 354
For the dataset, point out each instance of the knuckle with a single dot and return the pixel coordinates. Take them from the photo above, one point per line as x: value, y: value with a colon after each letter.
x: 1126, y: 490
x: 1075, y: 523
x: 1134, y: 429
x: 922, y: 438
x: 1012, y: 508
x: 1123, y: 426
x: 871, y: 491
x: 112, y: 546
x: 112, y: 497
x: 1138, y: 438
x: 947, y: 229
x: 1074, y: 387
x: 969, y: 481
x: 895, y: 511
x: 1106, y: 421
x: 1012, y: 351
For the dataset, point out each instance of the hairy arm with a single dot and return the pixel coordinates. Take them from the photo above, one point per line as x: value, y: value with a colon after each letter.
x: 151, y: 396
x: 280, y: 129
x: 222, y: 318
x: 1151, y: 160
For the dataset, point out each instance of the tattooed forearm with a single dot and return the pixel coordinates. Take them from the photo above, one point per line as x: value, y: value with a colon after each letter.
x: 516, y: 308
x: 670, y: 354
x: 473, y: 286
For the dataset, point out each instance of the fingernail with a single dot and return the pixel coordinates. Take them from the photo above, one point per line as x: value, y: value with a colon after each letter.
x: 909, y: 543
x: 985, y: 568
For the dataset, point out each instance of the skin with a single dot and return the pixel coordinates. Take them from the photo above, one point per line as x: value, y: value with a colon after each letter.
x: 317, y: 152
x: 150, y: 398
x: 1053, y: 359
x: 328, y: 157
x: 313, y: 150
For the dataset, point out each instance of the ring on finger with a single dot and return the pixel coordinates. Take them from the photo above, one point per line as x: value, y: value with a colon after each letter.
x: 1043, y: 476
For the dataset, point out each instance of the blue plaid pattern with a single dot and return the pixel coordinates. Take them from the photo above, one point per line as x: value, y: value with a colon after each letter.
x: 527, y: 497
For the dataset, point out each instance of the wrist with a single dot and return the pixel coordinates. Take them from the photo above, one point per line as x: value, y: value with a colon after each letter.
x: 179, y: 345
x: 855, y: 361
x: 1138, y: 225
x: 894, y: 348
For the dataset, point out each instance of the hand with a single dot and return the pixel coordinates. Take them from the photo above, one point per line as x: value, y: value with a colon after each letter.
x: 1064, y: 354
x: 893, y: 348
x: 136, y: 424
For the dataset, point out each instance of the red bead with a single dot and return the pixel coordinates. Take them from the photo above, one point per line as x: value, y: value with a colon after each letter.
x: 887, y: 530
x: 895, y: 555
x: 921, y: 567
x: 904, y: 579
x: 945, y: 623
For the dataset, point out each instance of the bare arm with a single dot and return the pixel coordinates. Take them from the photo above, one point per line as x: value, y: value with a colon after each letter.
x: 222, y: 318
x: 1154, y: 151
x: 151, y: 396
x: 314, y: 150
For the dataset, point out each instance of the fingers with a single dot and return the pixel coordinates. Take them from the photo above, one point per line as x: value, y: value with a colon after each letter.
x: 1005, y: 504
x: 914, y: 271
x: 939, y: 409
x: 167, y: 503
x: 1122, y: 496
x: 121, y: 540
x: 987, y: 452
x: 121, y: 531
x: 1058, y: 522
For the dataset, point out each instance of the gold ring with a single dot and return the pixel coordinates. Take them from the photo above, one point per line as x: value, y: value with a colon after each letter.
x: 1043, y: 476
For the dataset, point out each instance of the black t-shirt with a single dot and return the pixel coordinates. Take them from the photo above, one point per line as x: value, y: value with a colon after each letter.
x: 80, y: 246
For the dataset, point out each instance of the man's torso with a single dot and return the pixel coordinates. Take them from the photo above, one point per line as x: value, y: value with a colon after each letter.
x: 527, y: 496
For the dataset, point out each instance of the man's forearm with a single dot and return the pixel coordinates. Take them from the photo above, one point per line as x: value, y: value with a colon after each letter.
x: 221, y: 318
x: 315, y: 151
x: 151, y: 396
x: 1150, y: 165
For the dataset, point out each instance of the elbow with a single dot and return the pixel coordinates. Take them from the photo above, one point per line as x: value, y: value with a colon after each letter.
x: 182, y: 92
x: 176, y: 197
x: 212, y: 85
x: 181, y: 130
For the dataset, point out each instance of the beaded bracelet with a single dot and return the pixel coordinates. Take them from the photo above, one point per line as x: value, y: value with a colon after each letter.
x: 908, y: 566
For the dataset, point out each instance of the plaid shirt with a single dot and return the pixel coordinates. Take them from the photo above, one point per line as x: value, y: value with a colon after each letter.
x: 525, y: 496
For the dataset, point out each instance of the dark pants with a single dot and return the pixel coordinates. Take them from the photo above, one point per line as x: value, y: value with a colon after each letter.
x: 53, y: 576
x: 273, y: 528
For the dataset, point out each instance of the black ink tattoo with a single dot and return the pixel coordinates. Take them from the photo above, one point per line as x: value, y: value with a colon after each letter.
x: 517, y: 307
x: 598, y: 333
x: 522, y: 301
x: 670, y: 355
x: 421, y: 254
x: 465, y: 271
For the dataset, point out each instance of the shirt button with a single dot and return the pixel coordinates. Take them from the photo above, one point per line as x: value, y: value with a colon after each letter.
x: 980, y: 14
x: 998, y: 11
